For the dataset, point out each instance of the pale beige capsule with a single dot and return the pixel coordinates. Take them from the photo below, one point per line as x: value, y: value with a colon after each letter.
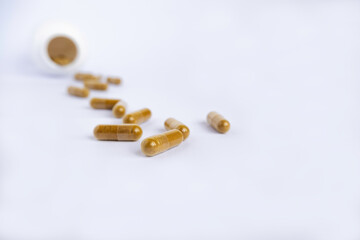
x: 138, y: 117
x: 160, y: 143
x: 218, y: 122
x: 79, y: 92
x: 96, y: 85
x: 113, y: 80
x: 119, y: 109
x: 124, y: 132
x: 86, y: 77
x: 172, y: 123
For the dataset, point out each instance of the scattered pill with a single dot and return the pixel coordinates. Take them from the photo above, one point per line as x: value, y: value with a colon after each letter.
x: 176, y: 132
x: 79, y: 92
x: 137, y: 117
x: 119, y: 109
x: 124, y: 132
x: 86, y: 77
x: 103, y: 103
x: 172, y: 123
x: 97, y: 79
x: 113, y: 80
x: 160, y: 143
x: 96, y: 85
x: 218, y: 122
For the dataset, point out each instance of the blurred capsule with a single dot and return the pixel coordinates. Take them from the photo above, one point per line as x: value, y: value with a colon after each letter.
x: 138, y: 117
x: 96, y: 85
x: 160, y: 143
x: 61, y: 60
x: 172, y: 123
x: 79, y: 92
x: 113, y: 80
x: 119, y: 109
x: 86, y: 77
x: 124, y: 132
x: 103, y: 103
x: 218, y: 122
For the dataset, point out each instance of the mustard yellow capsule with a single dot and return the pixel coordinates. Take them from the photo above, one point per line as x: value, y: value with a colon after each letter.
x: 86, y: 77
x: 119, y: 109
x: 95, y: 79
x: 138, y: 117
x: 79, y: 92
x: 124, y: 132
x: 160, y: 143
x: 113, y: 80
x: 61, y: 60
x: 96, y: 85
x: 218, y: 122
x: 172, y: 123
x: 103, y: 103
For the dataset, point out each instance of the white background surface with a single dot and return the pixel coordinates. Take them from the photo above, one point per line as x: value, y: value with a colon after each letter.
x: 286, y: 75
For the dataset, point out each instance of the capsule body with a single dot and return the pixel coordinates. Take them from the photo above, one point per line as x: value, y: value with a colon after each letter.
x: 172, y: 123
x: 124, y: 132
x: 113, y: 80
x: 138, y: 117
x: 96, y: 85
x: 86, y: 77
x: 79, y: 92
x: 119, y: 109
x: 218, y: 122
x: 160, y: 143
x: 103, y: 103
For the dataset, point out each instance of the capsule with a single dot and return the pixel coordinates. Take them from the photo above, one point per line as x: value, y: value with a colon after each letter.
x: 61, y: 60
x: 96, y: 85
x: 86, y: 77
x: 79, y: 92
x: 218, y: 122
x: 119, y: 109
x: 113, y: 80
x: 124, y: 132
x: 172, y: 123
x: 103, y: 103
x: 138, y: 117
x: 160, y: 143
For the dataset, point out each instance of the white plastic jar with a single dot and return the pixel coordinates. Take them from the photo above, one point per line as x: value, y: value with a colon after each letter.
x: 58, y: 48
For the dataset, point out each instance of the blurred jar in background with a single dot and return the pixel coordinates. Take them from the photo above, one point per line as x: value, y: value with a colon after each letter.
x: 59, y: 48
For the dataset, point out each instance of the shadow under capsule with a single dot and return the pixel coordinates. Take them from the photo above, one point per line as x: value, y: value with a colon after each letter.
x: 204, y: 125
x: 91, y: 137
x: 139, y: 153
